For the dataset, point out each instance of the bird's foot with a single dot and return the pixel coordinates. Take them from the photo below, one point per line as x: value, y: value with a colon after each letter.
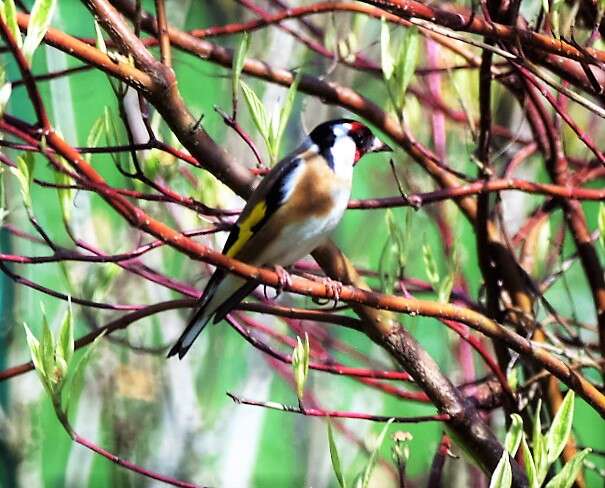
x: 333, y: 289
x: 284, y: 279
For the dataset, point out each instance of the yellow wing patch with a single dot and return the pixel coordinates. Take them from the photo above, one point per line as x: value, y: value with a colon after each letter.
x: 245, y: 228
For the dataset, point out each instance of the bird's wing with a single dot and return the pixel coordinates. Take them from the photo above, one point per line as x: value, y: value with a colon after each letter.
x: 221, y: 294
x: 266, y: 199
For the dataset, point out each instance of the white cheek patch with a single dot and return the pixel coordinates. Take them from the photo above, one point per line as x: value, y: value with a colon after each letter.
x: 343, y: 155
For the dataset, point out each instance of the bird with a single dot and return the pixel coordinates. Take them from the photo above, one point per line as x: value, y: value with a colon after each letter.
x: 289, y: 214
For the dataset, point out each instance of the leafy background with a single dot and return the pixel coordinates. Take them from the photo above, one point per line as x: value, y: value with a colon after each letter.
x: 174, y: 417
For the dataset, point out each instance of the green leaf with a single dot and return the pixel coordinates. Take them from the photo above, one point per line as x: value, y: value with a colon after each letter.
x: 566, y: 477
x: 502, y: 476
x: 393, y: 257
x: 537, y: 430
x: 34, y: 350
x: 514, y: 434
x: 94, y: 135
x: 65, y: 346
x: 335, y: 458
x: 114, y: 136
x: 76, y: 375
x: 387, y: 266
x: 39, y: 21
x: 387, y: 62
x: 286, y: 110
x: 540, y: 458
x: 66, y: 195
x: 346, y: 48
x: 9, y: 14
x: 47, y: 350
x: 528, y: 460
x: 559, y: 431
x: 602, y: 223
x: 238, y: 63
x: 5, y: 93
x: 257, y: 110
x: 430, y: 266
x: 367, y: 473
x: 100, y: 41
x: 300, y: 365
x: 408, y: 56
x: 445, y: 288
x: 24, y: 173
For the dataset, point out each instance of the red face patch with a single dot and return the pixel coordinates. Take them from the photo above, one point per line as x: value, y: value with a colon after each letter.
x: 356, y: 127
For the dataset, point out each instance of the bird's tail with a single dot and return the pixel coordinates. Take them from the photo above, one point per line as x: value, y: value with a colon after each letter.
x: 199, y: 319
x: 220, y: 292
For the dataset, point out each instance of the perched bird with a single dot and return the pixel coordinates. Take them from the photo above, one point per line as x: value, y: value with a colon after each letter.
x: 289, y: 214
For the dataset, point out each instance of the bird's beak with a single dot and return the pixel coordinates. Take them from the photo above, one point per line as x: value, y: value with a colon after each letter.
x: 379, y: 146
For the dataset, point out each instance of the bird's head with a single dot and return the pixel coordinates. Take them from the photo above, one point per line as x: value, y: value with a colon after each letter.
x: 345, y: 141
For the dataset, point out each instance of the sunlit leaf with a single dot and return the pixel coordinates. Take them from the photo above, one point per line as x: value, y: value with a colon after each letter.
x: 540, y: 458
x: 407, y: 59
x: 65, y: 345
x: 76, y: 375
x: 300, y: 365
x: 238, y: 63
x: 286, y: 110
x: 559, y: 431
x: 34, y: 349
x: 387, y: 62
x: 24, y: 174
x: 514, y: 435
x: 430, y: 266
x: 47, y: 349
x: 502, y: 477
x: 257, y: 110
x: 537, y: 429
x: 39, y: 21
x: 528, y: 461
x: 566, y: 477
x: 5, y: 93
x: 9, y: 14
x: 100, y: 40
x: 96, y: 131
x: 445, y: 288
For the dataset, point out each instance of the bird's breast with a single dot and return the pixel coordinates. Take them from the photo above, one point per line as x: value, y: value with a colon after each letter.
x: 319, y: 192
x: 315, y: 206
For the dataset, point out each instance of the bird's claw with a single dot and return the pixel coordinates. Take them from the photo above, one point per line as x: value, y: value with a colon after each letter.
x: 283, y: 280
x: 333, y: 290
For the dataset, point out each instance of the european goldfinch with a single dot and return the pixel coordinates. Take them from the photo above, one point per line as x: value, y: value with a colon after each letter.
x: 291, y: 212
